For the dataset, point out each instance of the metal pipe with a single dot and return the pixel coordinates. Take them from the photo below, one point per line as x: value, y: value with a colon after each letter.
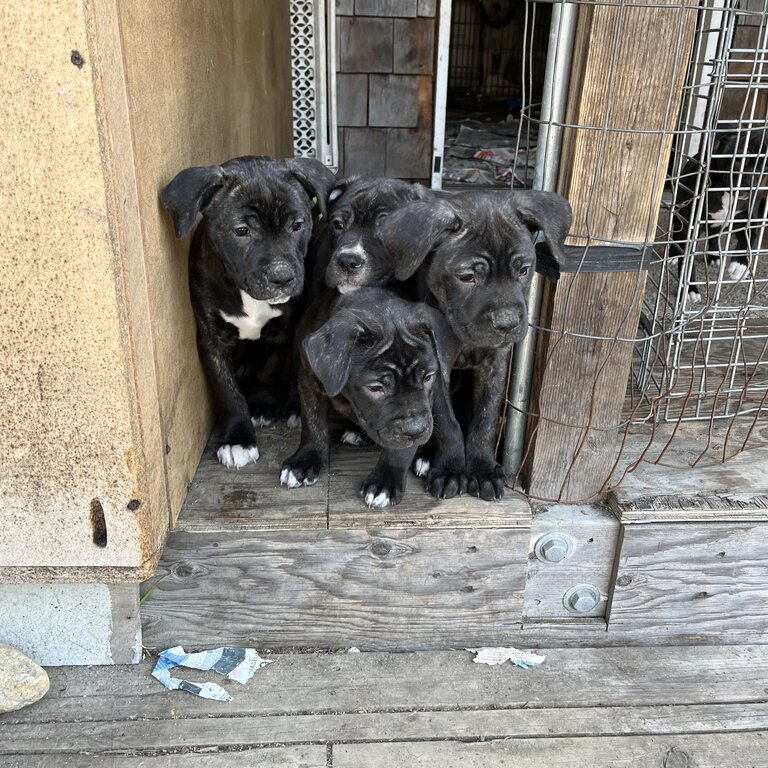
x: 553, y: 104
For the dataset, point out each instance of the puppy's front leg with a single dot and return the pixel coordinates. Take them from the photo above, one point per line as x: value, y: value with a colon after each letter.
x: 310, y: 459
x: 446, y: 476
x: 485, y: 478
x: 385, y: 486
x: 237, y: 447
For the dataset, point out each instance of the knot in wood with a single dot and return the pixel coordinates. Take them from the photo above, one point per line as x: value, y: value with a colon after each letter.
x: 676, y: 758
x: 381, y: 548
x: 188, y: 570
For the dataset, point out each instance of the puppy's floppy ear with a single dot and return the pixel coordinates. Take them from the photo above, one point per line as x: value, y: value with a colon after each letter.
x: 412, y: 232
x: 189, y: 193
x: 548, y: 213
x: 329, y: 351
x: 317, y: 180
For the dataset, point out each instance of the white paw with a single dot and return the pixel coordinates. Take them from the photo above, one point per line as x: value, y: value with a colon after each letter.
x: 421, y: 468
x: 379, y: 501
x: 294, y: 421
x: 290, y: 480
x: 235, y: 456
x: 261, y: 421
x: 351, y: 437
x: 694, y: 297
x: 737, y: 270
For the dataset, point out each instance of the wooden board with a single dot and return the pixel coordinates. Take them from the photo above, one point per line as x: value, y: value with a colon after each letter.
x: 704, y: 580
x: 423, y: 707
x: 734, y: 490
x: 594, y: 532
x: 305, y: 756
x: 349, y: 468
x: 706, y: 751
x: 394, y: 589
x: 251, y: 498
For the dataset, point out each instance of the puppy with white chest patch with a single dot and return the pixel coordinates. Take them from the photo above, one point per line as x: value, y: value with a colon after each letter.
x: 380, y: 361
x: 246, y: 280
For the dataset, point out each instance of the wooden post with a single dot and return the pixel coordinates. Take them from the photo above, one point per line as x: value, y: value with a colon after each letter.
x: 627, y: 78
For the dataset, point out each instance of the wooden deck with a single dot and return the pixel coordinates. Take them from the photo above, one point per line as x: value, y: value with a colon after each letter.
x: 673, y: 707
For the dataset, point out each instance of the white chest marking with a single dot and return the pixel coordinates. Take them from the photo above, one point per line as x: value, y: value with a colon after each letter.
x: 256, y: 314
x: 728, y: 208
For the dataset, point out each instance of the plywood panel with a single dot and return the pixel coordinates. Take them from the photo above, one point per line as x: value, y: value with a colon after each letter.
x: 205, y: 82
x: 70, y: 446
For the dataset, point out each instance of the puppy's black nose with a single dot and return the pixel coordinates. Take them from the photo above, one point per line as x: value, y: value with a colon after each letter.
x: 349, y: 261
x: 504, y: 320
x: 415, y: 427
x: 280, y: 274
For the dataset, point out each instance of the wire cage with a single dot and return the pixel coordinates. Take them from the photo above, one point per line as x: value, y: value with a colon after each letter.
x: 703, y: 352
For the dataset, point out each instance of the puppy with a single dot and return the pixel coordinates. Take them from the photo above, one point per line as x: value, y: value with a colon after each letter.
x: 246, y: 274
x: 379, y: 361
x: 475, y: 254
x: 358, y: 206
x: 497, y: 15
x: 734, y: 190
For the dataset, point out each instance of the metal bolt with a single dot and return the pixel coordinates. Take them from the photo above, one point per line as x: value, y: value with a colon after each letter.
x: 582, y: 598
x: 553, y: 547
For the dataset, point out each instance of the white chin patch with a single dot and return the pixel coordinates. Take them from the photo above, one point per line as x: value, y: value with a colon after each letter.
x: 235, y: 456
x: 278, y: 301
x: 346, y: 288
x: 379, y: 501
x: 421, y: 467
x: 694, y: 297
x: 260, y: 421
x: 294, y: 421
x: 350, y: 437
x: 288, y: 479
x: 738, y: 271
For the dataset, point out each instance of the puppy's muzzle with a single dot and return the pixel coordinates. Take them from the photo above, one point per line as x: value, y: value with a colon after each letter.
x: 280, y: 275
x: 349, y: 261
x: 505, y: 321
x: 407, y: 431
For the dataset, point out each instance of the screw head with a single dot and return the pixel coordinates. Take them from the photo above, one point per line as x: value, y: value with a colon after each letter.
x: 582, y: 598
x: 553, y: 547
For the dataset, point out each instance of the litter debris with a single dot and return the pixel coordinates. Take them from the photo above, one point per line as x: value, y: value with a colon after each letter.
x: 523, y: 659
x: 353, y: 649
x: 237, y: 664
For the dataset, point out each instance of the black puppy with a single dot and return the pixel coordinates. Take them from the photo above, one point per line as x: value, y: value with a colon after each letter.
x: 358, y: 206
x: 379, y: 360
x: 733, y: 191
x: 246, y: 272
x: 476, y: 256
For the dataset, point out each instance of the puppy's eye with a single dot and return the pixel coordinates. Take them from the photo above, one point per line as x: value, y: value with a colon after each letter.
x: 337, y: 224
x: 381, y: 216
x: 375, y: 388
x: 297, y: 225
x: 428, y: 377
x: 467, y: 277
x: 241, y: 231
x: 524, y: 271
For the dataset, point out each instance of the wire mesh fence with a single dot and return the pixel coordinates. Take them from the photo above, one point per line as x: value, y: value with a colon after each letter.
x: 696, y: 316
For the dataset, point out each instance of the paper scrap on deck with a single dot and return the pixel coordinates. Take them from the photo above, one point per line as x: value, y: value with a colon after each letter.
x: 237, y: 664
x: 523, y: 659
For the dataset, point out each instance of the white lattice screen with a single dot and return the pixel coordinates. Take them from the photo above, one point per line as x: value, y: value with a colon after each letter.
x: 313, y: 54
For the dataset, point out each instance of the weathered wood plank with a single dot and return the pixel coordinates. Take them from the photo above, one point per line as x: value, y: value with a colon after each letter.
x: 734, y: 490
x: 379, y: 590
x: 251, y: 498
x: 613, y: 179
x: 525, y: 723
x: 703, y: 579
x: 304, y: 756
x: 594, y: 534
x: 738, y: 750
x: 404, y: 682
x: 349, y: 468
